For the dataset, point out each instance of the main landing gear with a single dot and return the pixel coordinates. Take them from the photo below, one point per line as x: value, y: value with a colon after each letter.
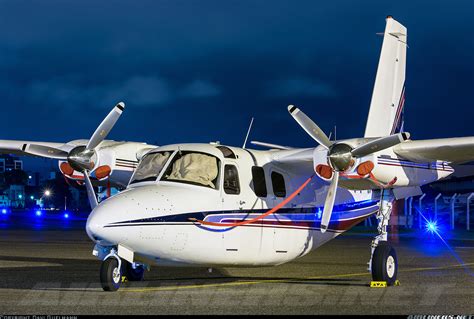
x: 383, y: 262
x: 114, y: 270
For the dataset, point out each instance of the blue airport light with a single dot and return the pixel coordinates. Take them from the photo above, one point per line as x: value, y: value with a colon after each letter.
x: 4, y: 211
x: 432, y: 227
x: 38, y: 213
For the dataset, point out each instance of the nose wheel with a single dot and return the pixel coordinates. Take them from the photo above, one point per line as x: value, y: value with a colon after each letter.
x: 110, y: 274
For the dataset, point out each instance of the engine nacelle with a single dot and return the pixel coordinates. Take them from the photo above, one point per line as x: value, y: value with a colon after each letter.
x: 114, y: 162
x: 383, y: 169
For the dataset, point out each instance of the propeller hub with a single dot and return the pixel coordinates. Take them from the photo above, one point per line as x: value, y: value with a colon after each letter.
x: 340, y: 157
x: 82, y: 159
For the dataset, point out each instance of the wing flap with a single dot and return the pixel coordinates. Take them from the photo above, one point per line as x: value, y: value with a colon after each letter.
x: 454, y: 150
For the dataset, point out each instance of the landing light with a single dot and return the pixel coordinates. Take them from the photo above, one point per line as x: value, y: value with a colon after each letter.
x: 66, y: 215
x: 38, y: 213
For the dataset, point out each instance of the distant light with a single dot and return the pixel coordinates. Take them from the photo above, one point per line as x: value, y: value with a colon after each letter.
x: 66, y: 215
x: 20, y: 196
x: 30, y: 177
x: 38, y: 213
x: 4, y: 211
x: 432, y: 227
x: 47, y: 192
x: 32, y: 197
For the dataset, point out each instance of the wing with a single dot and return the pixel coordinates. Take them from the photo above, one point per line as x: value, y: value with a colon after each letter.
x: 454, y: 150
x: 299, y: 161
x: 43, y: 149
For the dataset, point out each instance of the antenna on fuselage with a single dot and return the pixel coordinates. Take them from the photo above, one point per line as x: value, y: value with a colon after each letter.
x: 248, y: 133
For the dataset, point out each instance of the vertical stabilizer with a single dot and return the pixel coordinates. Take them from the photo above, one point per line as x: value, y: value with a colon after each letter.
x: 388, y: 96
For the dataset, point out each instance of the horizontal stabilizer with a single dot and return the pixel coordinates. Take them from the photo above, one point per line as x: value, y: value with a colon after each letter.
x: 270, y: 145
x: 454, y: 150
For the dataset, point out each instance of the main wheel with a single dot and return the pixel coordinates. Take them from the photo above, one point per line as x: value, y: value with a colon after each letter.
x: 134, y: 274
x: 385, y: 264
x: 110, y: 275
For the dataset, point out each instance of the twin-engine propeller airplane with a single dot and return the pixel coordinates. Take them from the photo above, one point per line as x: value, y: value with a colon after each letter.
x: 108, y: 162
x: 214, y: 205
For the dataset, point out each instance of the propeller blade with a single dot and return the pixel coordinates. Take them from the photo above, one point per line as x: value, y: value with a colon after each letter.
x: 329, y: 203
x: 309, y: 126
x: 380, y: 144
x: 45, y: 151
x: 90, y: 190
x: 106, y: 126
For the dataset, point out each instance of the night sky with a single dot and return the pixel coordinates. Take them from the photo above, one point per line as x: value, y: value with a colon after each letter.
x: 198, y: 70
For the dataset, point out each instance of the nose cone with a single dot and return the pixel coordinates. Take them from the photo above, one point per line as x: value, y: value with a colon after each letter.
x: 94, y: 224
x: 100, y: 223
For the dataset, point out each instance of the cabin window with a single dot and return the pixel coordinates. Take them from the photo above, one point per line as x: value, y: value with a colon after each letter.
x: 278, y: 183
x: 150, y: 167
x: 193, y: 168
x: 231, y: 180
x: 259, y: 183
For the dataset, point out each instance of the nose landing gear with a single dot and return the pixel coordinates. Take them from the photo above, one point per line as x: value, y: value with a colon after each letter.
x: 110, y: 274
x: 114, y: 271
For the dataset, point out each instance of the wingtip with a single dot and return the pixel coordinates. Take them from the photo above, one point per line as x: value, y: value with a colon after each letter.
x: 120, y: 105
x: 291, y: 108
x: 323, y: 228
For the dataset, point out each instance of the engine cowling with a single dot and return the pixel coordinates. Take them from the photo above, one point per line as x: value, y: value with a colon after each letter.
x: 113, y: 162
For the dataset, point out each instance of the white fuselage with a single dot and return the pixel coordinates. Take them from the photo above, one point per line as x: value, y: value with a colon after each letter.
x: 156, y: 219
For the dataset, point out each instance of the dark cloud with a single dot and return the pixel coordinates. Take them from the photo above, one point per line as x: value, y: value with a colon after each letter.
x: 300, y: 87
x: 210, y: 66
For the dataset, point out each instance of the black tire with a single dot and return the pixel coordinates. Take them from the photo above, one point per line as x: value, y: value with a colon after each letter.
x: 385, y: 264
x: 110, y: 275
x: 133, y: 274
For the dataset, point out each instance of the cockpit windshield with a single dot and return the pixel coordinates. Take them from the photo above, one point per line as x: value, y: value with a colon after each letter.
x: 150, y: 167
x: 193, y: 168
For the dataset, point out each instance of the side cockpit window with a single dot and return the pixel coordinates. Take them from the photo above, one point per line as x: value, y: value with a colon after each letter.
x: 231, y: 180
x: 258, y: 180
x: 193, y: 168
x: 150, y: 167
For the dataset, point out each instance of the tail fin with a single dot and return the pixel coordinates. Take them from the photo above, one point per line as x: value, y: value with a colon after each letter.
x: 386, y: 107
